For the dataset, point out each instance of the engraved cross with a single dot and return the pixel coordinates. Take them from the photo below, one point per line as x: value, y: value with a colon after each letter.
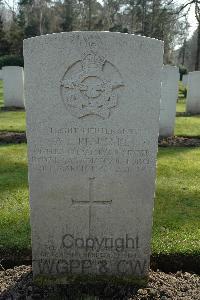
x: 91, y: 202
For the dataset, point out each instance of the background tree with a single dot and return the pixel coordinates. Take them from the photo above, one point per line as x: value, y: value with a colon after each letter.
x: 4, y: 45
x: 152, y: 18
x: 184, y: 8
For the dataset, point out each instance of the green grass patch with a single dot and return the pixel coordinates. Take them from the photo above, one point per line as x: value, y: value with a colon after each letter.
x: 188, y: 126
x: 12, y: 121
x: 177, y: 207
x: 14, y: 207
x: 181, y: 105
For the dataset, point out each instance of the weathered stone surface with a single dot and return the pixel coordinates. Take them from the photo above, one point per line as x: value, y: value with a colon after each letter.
x: 1, y: 74
x: 169, y: 95
x: 92, y: 127
x: 13, y: 85
x: 193, y: 93
x: 185, y: 80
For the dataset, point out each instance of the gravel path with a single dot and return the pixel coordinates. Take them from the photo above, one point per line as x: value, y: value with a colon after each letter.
x: 17, y: 284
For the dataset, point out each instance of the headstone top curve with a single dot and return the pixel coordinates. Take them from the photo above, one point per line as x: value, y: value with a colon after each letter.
x: 11, y: 67
x: 61, y: 34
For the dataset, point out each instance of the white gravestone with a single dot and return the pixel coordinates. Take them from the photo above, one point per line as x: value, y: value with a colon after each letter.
x: 1, y: 75
x: 13, y: 86
x: 193, y: 93
x: 92, y: 126
x: 169, y: 95
x: 185, y: 80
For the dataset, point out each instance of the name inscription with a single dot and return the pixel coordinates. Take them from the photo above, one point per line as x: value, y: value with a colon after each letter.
x: 86, y: 150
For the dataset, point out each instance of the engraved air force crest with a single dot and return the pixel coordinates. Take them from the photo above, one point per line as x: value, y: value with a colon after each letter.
x: 91, y: 86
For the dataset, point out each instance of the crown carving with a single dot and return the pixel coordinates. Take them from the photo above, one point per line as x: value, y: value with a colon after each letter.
x: 92, y: 60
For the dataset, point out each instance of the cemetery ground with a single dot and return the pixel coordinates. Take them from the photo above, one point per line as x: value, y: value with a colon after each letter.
x: 186, y: 125
x: 176, y: 232
x: 12, y: 120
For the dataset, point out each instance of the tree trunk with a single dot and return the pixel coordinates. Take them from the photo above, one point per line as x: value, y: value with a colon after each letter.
x: 40, y: 23
x: 153, y: 18
x: 198, y: 49
x: 143, y: 16
x: 183, y: 55
x: 89, y: 15
x: 132, y: 18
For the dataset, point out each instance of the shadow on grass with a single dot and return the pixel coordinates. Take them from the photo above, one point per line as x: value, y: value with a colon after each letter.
x: 13, y: 175
x: 11, y: 108
x: 175, y: 262
x: 180, y: 114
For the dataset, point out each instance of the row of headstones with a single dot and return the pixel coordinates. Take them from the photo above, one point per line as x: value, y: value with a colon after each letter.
x: 13, y: 78
x: 13, y: 84
x: 169, y: 96
x: 192, y: 81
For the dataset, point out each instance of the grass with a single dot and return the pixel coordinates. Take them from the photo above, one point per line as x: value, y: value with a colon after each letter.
x: 177, y: 207
x: 11, y: 120
x: 14, y: 207
x: 181, y: 105
x: 188, y: 126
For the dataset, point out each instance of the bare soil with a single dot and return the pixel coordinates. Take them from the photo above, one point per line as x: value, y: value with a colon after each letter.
x: 12, y: 137
x: 179, y: 141
x: 17, y: 284
x: 12, y: 108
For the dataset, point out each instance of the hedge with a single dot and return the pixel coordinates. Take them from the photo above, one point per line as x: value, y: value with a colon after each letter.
x: 11, y: 60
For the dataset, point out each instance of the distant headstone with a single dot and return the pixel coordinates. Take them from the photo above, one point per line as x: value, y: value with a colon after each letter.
x: 1, y: 75
x: 193, y: 93
x: 92, y: 126
x: 185, y: 80
x: 13, y: 85
x: 169, y: 95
